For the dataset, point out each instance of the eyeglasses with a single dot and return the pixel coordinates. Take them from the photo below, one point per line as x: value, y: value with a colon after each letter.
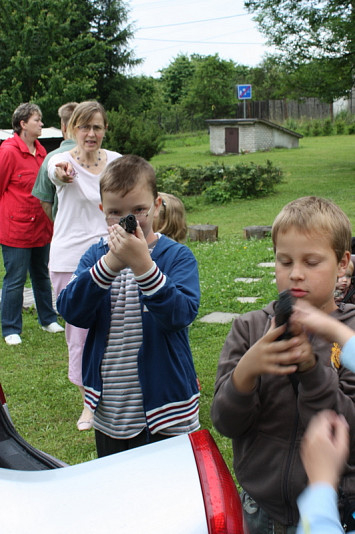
x: 87, y: 127
x: 140, y: 214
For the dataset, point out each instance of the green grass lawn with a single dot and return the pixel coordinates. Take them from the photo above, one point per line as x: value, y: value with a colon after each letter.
x: 323, y: 166
x: 43, y: 403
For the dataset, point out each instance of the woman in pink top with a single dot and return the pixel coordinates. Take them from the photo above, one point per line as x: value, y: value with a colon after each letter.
x: 79, y: 222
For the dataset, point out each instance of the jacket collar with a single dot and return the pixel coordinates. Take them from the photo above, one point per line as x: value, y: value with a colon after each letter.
x: 17, y: 141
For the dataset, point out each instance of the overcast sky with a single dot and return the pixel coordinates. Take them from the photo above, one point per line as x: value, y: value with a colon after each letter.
x: 163, y: 29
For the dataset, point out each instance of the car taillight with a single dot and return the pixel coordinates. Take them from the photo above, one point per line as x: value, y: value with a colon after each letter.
x: 222, y: 503
x: 2, y: 396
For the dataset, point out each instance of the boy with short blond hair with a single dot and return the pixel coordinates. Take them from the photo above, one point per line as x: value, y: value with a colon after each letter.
x: 137, y: 293
x: 267, y: 390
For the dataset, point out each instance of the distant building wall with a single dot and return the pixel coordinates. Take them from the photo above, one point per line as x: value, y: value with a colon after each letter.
x: 217, y: 140
x: 345, y: 104
x: 283, y: 140
x: 254, y: 135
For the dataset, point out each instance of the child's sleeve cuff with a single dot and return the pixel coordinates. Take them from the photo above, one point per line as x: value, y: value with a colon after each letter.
x: 102, y: 275
x: 151, y: 281
x: 347, y: 357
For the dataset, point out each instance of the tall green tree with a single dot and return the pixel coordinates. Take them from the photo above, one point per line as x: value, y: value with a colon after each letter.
x: 318, y: 32
x: 52, y: 51
x: 276, y: 78
x: 176, y: 77
x: 109, y: 27
x: 269, y: 79
x: 212, y: 90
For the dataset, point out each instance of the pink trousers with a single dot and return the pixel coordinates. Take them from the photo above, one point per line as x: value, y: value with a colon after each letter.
x: 74, y: 336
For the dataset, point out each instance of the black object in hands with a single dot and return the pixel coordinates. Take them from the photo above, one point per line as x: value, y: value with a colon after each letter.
x: 283, y: 311
x: 129, y: 223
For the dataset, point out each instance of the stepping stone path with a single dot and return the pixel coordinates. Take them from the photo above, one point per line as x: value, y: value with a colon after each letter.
x: 267, y: 264
x: 221, y: 317
x: 247, y: 280
x: 247, y: 299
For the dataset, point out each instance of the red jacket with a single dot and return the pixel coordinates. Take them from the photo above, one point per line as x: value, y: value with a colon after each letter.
x: 23, y: 223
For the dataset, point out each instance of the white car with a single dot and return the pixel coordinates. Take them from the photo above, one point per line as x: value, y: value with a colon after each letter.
x: 177, y: 486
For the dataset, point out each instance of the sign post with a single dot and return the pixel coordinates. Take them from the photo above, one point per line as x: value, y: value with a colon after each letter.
x: 244, y: 93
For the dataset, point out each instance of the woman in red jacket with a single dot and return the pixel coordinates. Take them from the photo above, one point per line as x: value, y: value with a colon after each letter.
x: 25, y: 230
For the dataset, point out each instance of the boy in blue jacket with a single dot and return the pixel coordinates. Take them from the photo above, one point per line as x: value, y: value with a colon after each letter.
x: 137, y: 294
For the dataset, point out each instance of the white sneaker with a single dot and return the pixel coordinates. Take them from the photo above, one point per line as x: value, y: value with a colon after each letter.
x: 13, y: 339
x: 53, y: 328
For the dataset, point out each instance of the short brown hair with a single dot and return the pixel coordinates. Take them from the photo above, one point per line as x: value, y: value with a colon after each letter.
x: 123, y: 174
x: 83, y: 113
x: 319, y: 215
x: 171, y: 220
x: 23, y: 113
x: 66, y: 111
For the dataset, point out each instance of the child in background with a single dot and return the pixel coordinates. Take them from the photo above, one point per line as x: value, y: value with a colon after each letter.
x: 171, y: 220
x: 344, y: 289
x: 267, y: 390
x: 137, y: 293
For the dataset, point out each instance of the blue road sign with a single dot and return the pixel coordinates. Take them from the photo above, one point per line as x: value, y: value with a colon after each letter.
x: 244, y: 92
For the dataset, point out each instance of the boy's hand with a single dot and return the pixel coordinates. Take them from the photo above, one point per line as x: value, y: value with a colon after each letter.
x: 128, y: 250
x: 325, y: 447
x: 269, y: 356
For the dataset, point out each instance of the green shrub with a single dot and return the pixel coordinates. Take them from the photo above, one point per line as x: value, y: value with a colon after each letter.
x: 307, y: 129
x: 327, y: 127
x: 133, y: 135
x: 340, y: 126
x: 343, y: 123
x: 317, y: 128
x: 218, y: 182
x: 169, y: 180
x: 292, y: 124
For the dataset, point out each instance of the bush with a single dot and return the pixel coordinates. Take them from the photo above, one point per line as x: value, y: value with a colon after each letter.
x: 307, y: 129
x: 340, y: 126
x: 327, y: 127
x: 218, y: 182
x: 343, y: 123
x: 292, y: 124
x: 133, y: 135
x: 317, y: 128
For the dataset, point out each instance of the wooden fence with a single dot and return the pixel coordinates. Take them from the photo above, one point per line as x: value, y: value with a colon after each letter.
x: 281, y: 110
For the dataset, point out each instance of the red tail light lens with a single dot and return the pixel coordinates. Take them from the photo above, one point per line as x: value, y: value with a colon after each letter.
x: 2, y: 396
x: 222, y: 503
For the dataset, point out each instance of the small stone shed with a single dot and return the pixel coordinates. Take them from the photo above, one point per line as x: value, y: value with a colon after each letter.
x: 51, y: 137
x: 235, y: 136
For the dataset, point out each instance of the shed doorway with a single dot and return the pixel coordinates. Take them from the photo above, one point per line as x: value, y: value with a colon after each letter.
x: 231, y: 140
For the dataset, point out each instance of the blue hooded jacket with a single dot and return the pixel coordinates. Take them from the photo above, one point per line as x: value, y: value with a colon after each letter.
x: 165, y: 366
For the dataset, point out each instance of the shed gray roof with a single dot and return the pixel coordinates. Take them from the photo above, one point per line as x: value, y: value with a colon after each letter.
x: 245, y: 122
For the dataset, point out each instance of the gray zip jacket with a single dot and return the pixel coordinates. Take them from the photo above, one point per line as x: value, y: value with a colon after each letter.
x: 266, y: 425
